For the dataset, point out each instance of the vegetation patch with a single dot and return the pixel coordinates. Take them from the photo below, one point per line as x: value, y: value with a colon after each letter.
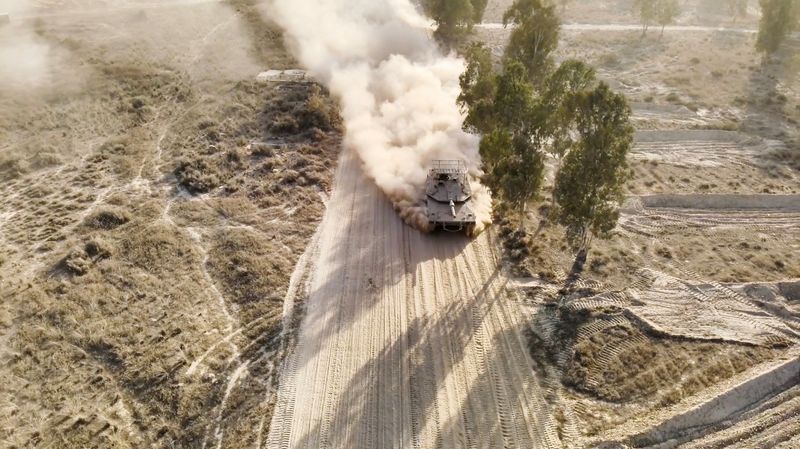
x: 107, y: 218
x: 622, y: 364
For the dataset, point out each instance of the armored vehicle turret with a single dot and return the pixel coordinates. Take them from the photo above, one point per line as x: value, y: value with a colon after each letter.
x: 448, y: 197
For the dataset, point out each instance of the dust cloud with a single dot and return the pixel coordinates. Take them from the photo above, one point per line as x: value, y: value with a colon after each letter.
x: 397, y: 92
x: 26, y: 60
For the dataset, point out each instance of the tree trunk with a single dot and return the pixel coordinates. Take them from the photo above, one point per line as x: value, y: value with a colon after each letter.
x: 662, y: 31
x: 583, y: 251
x: 580, y: 261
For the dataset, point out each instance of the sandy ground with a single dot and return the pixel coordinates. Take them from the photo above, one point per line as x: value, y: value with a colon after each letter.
x: 174, y: 332
x: 409, y: 340
x: 682, y: 331
x: 154, y: 199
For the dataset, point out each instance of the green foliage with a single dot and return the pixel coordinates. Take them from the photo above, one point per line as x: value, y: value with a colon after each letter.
x: 478, y: 88
x: 666, y: 12
x: 507, y: 110
x: 662, y: 12
x: 589, y: 187
x: 778, y: 19
x: 569, y: 79
x: 514, y: 100
x: 454, y: 18
x: 518, y: 176
x: 534, y: 38
x: 478, y: 9
x: 528, y: 110
x: 646, y: 9
x: 513, y: 150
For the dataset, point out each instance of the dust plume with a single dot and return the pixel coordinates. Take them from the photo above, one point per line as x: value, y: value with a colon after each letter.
x: 397, y: 92
x: 26, y: 60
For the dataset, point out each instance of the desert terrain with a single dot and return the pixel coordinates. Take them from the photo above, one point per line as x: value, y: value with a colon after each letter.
x: 654, y: 345
x: 190, y: 258
x: 155, y: 200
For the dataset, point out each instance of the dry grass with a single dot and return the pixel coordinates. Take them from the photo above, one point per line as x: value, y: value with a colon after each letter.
x: 653, y: 369
x: 616, y: 370
x: 605, y: 365
x: 128, y: 304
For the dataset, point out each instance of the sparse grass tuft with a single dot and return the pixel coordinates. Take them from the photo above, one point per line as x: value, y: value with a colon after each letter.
x: 200, y: 175
x: 107, y: 218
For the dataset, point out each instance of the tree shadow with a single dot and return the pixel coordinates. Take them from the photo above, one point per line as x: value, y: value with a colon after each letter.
x: 373, y: 252
x: 409, y: 394
x: 766, y: 112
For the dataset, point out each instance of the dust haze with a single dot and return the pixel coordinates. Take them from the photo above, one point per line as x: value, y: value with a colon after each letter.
x: 193, y: 255
x: 397, y: 92
x: 27, y: 62
x: 138, y: 155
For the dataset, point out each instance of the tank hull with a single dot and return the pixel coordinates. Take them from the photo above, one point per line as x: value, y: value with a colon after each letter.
x: 448, y: 198
x: 441, y: 217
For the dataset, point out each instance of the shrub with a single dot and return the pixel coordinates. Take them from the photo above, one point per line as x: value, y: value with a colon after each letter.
x: 235, y: 158
x: 137, y: 103
x: 262, y: 150
x: 114, y: 146
x: 77, y: 262
x: 107, y: 218
x: 45, y: 159
x: 97, y: 248
x: 664, y: 252
x: 609, y: 60
x: 319, y: 112
x: 198, y: 175
x: 210, y: 130
x: 284, y: 124
x: 296, y: 161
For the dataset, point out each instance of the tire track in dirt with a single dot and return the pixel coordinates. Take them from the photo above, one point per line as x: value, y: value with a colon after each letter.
x: 408, y: 340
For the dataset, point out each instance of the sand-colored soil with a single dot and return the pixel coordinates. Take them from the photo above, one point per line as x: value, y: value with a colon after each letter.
x: 154, y: 199
x: 409, y: 340
x: 165, y: 281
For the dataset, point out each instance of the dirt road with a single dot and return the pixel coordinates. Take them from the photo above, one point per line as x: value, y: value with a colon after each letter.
x: 408, y: 340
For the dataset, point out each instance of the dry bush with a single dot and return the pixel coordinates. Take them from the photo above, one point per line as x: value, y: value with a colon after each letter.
x: 649, y: 368
x: 200, y: 175
x: 107, y: 218
x: 77, y: 262
x: 319, y: 111
x: 15, y: 164
x: 86, y: 349
x: 158, y: 248
x: 303, y: 109
x: 97, y: 248
x: 12, y: 167
x: 81, y: 259
x: 248, y: 268
x: 262, y: 150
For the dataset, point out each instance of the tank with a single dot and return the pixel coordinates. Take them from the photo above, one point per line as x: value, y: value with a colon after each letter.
x: 448, y: 197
